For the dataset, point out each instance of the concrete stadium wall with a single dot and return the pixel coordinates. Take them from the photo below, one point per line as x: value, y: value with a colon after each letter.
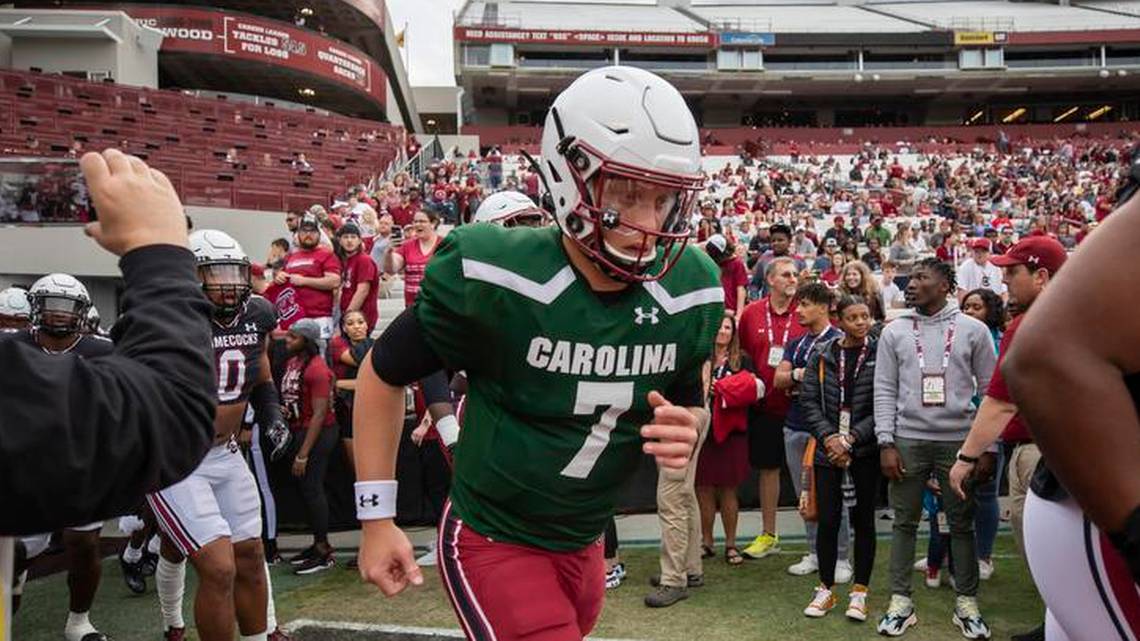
x: 28, y: 252
x: 131, y: 61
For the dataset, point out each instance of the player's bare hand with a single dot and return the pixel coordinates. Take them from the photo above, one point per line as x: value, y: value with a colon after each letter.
x: 671, y: 435
x: 891, y: 463
x: 421, y: 430
x: 136, y: 205
x: 386, y: 559
x: 281, y: 277
x: 958, y: 475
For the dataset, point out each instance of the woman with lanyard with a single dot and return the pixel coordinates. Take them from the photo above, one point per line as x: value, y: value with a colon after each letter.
x: 838, y: 406
x: 813, y: 312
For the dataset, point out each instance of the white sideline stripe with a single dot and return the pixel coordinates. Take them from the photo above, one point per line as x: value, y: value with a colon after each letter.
x: 678, y: 304
x: 544, y: 293
x: 349, y: 626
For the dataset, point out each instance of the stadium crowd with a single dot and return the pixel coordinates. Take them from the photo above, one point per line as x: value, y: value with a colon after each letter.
x: 819, y: 256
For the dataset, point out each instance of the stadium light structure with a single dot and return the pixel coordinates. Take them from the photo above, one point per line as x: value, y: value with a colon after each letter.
x: 1097, y: 113
x: 1013, y: 115
x: 1068, y: 112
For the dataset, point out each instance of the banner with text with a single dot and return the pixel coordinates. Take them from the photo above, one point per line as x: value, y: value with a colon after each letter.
x: 259, y: 39
x: 604, y: 38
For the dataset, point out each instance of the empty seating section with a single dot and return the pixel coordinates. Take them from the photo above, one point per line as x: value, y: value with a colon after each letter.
x: 188, y: 139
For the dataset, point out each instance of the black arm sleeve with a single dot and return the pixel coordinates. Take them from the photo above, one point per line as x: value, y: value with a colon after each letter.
x: 83, y: 440
x: 687, y: 392
x: 266, y: 404
x: 401, y: 356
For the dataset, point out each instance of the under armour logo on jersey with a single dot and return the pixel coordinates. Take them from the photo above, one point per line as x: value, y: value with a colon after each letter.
x: 251, y: 327
x: 640, y: 315
x: 370, y: 501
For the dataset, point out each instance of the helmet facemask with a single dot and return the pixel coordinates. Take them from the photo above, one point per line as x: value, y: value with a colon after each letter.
x: 58, y: 316
x: 660, y: 246
x: 227, y: 285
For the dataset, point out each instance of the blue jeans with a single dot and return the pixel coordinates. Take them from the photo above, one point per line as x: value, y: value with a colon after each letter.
x: 988, y: 515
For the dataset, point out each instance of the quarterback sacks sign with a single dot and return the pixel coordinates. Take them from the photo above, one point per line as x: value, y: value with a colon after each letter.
x: 252, y: 38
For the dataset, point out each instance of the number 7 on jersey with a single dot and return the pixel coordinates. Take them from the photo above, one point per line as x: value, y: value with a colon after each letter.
x: 617, y: 398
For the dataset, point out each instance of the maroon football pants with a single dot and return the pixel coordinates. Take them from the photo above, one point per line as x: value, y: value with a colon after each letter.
x: 509, y: 592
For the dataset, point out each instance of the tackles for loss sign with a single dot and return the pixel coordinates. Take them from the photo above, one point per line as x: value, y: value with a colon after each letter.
x: 259, y: 39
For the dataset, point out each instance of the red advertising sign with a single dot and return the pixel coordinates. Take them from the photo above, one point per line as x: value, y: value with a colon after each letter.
x: 549, y: 36
x: 260, y: 39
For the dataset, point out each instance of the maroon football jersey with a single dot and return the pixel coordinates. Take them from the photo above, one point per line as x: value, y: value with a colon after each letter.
x: 238, y: 347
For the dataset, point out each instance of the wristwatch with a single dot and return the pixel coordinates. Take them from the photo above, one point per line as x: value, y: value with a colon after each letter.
x: 972, y: 460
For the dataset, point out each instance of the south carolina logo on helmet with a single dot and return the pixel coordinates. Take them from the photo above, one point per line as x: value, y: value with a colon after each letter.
x: 59, y: 304
x: 611, y: 125
x: 223, y: 268
x: 510, y: 209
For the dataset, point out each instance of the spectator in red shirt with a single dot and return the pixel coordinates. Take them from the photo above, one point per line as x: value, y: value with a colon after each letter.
x: 306, y: 389
x: 1028, y: 268
x: 360, y: 279
x: 304, y: 287
x: 412, y: 255
x: 766, y: 326
x: 733, y: 274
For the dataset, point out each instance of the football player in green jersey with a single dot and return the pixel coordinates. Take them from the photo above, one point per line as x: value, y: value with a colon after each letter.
x: 584, y: 345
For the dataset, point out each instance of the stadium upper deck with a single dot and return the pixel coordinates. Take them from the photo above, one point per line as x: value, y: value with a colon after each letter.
x: 814, y: 62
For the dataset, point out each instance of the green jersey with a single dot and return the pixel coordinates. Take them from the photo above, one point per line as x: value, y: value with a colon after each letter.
x: 558, y: 375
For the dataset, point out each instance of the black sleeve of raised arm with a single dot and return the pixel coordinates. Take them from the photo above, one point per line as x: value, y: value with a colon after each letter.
x: 266, y: 404
x: 84, y: 440
x: 401, y: 356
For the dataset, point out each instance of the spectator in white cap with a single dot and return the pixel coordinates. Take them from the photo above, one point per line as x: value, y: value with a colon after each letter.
x: 978, y: 272
x: 733, y: 275
x: 801, y: 244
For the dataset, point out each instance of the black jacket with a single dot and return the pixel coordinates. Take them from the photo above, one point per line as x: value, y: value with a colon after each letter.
x: 822, y: 416
x: 85, y: 440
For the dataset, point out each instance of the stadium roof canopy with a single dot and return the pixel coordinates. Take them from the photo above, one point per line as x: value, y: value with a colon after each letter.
x: 1011, y: 16
x: 576, y: 15
x: 779, y: 18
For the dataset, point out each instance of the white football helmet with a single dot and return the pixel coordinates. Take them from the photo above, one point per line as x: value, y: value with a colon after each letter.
x: 510, y: 209
x: 15, y: 310
x: 223, y: 268
x: 59, y: 304
x: 615, y: 126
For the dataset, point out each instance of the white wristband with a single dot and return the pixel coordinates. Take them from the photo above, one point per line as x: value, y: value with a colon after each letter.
x: 448, y: 429
x: 375, y: 500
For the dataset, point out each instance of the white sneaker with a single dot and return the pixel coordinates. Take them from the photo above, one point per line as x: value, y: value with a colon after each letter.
x: 920, y: 565
x: 809, y: 564
x: 985, y: 569
x: 969, y: 620
x: 900, y: 616
x: 843, y: 571
x: 428, y: 559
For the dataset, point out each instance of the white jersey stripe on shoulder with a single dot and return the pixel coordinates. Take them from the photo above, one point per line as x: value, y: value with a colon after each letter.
x: 678, y: 304
x: 544, y: 293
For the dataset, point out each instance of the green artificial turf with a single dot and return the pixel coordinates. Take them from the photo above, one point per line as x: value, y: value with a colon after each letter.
x: 756, y: 601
